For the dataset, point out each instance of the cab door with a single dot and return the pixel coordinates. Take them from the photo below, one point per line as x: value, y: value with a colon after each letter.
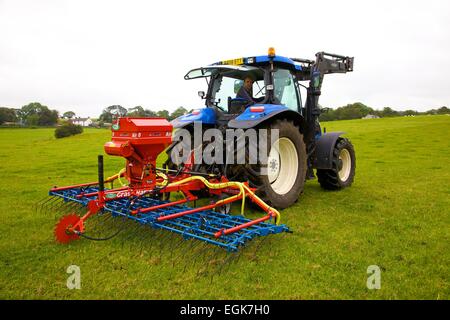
x: 285, y: 90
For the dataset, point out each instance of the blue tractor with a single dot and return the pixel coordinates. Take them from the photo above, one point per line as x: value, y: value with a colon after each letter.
x: 274, y: 101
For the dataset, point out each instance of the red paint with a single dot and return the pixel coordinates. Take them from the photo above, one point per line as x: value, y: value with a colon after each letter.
x: 257, y: 109
x: 219, y: 233
x: 183, y: 213
x: 140, y: 141
x: 164, y: 205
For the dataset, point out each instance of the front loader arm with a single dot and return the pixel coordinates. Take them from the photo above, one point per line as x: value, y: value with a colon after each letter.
x: 327, y: 63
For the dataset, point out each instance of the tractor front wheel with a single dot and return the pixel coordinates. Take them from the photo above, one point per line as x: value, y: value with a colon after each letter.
x: 342, y: 173
x: 283, y: 182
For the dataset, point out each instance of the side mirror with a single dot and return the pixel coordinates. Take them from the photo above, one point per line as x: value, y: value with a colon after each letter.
x: 201, y: 94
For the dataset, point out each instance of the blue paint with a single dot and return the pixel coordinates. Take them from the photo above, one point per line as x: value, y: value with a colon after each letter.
x: 264, y: 59
x: 204, y: 115
x: 280, y: 59
x: 268, y: 110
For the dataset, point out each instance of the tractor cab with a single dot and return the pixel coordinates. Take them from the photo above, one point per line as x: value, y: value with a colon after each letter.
x: 274, y: 82
x: 279, y: 86
x: 224, y: 83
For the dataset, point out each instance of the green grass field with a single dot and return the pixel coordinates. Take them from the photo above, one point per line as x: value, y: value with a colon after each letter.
x: 396, y: 215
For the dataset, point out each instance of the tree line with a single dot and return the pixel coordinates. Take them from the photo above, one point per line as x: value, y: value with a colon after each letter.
x: 32, y: 114
x: 36, y: 114
x: 111, y: 112
x: 359, y: 110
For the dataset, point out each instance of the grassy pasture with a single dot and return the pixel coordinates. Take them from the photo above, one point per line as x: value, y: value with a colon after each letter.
x: 396, y: 215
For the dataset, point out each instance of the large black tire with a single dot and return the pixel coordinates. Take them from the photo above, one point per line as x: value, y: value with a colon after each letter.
x: 276, y: 192
x: 342, y: 173
x: 172, y: 154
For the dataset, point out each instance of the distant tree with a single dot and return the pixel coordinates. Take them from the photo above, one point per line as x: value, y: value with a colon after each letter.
x: 37, y: 114
x: 177, y: 113
x: 32, y: 120
x: 150, y: 113
x: 105, y: 117
x: 7, y: 115
x: 137, y: 111
x: 328, y: 115
x: 431, y: 111
x: 388, y: 112
x: 163, y: 114
x: 410, y: 112
x: 68, y: 115
x: 111, y: 111
x: 443, y: 110
x: 48, y: 118
x: 356, y: 110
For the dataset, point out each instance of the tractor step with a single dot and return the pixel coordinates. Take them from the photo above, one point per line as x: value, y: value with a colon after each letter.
x: 202, y: 225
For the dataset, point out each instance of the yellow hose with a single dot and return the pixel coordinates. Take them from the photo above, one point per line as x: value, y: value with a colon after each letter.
x: 220, y: 185
x: 242, y: 189
x: 115, y: 177
x: 164, y: 176
x: 120, y: 180
x: 268, y: 208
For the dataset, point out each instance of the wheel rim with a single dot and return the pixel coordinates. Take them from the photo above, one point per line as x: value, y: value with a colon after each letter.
x: 346, y: 160
x: 282, y: 165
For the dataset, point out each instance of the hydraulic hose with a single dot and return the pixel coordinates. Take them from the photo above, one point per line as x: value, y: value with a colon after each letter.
x: 119, y: 179
x: 219, y: 185
x: 242, y: 192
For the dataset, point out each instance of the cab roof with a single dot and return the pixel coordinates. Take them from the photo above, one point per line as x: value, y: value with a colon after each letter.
x: 299, y: 66
x: 285, y: 62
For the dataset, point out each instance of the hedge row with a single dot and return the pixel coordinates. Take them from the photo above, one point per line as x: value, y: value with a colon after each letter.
x: 67, y: 130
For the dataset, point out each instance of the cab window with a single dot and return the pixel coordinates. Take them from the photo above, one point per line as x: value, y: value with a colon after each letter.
x: 259, y: 90
x: 284, y: 89
x: 227, y: 89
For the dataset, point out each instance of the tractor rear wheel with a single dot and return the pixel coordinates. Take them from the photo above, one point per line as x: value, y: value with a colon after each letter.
x: 175, y: 162
x: 283, y: 181
x: 342, y: 173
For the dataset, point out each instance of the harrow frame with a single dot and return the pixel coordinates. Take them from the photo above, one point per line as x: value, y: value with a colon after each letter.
x: 139, y: 141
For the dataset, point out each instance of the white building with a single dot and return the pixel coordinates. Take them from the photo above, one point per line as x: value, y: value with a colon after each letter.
x: 371, y: 116
x: 84, y: 122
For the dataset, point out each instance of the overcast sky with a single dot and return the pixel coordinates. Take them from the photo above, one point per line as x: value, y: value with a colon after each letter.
x: 86, y: 55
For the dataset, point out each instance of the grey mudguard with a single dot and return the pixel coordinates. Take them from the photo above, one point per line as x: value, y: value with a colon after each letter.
x: 324, y: 150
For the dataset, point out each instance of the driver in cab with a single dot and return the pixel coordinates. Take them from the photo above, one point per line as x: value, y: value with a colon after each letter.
x: 246, y: 92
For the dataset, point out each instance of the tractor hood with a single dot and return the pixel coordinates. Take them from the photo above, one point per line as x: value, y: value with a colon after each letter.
x: 204, y: 115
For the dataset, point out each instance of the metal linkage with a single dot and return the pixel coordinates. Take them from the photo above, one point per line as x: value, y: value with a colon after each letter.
x: 205, y: 225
